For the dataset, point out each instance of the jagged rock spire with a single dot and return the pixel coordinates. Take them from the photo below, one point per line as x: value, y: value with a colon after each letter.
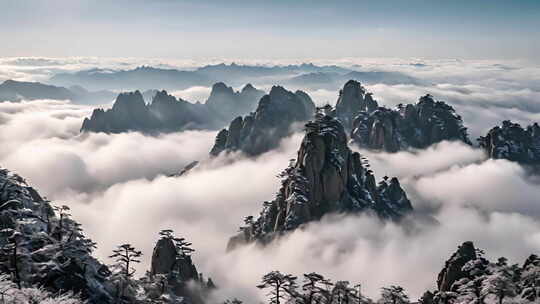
x: 263, y: 129
x: 452, y: 271
x: 353, y: 98
x: 412, y: 126
x: 326, y: 177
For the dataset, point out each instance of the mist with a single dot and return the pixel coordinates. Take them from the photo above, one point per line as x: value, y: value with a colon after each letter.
x: 118, y: 187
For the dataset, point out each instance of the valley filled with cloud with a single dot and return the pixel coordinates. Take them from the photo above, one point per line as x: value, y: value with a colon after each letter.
x: 119, y: 186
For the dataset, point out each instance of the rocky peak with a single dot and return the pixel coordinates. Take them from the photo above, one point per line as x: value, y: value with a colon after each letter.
x: 130, y: 101
x: 163, y: 97
x: 453, y: 268
x: 512, y: 142
x: 221, y: 88
x: 263, y: 129
x: 353, y: 99
x: 163, y: 257
x: 248, y: 88
x: 175, y: 271
x: 227, y: 104
x: 412, y: 126
x: 327, y: 177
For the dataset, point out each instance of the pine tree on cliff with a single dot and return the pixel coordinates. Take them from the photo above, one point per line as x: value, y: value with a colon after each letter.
x: 124, y: 258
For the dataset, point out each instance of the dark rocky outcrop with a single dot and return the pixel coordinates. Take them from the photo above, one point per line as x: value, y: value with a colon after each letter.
x: 412, y: 126
x: 163, y: 257
x: 166, y: 113
x: 165, y: 260
x: 176, y: 274
x: 129, y: 113
x: 513, y: 142
x: 353, y: 98
x: 263, y: 129
x: 327, y: 177
x: 453, y: 268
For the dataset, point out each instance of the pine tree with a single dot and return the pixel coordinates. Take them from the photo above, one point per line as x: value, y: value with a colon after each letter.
x: 63, y: 213
x: 280, y: 285
x: 500, y: 284
x: 124, y: 256
x: 312, y: 287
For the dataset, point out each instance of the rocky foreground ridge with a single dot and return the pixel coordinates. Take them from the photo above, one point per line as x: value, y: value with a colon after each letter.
x: 166, y: 113
x: 327, y: 177
x: 262, y: 130
x: 44, y: 251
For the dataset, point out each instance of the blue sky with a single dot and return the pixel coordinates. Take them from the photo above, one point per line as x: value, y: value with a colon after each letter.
x: 483, y: 29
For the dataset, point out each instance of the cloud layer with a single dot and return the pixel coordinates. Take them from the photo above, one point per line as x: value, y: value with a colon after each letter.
x: 118, y: 188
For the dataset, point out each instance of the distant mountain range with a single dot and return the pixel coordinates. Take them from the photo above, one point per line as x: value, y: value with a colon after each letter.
x: 332, y: 80
x: 11, y: 90
x: 303, y: 75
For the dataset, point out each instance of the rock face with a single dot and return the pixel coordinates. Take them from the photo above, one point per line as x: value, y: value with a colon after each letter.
x: 52, y: 253
x: 263, y: 129
x: 353, y: 99
x: 163, y: 257
x: 327, y: 177
x: 412, y: 126
x: 165, y: 261
x: 512, y: 142
x: 166, y: 113
x: 452, y: 271
x: 176, y: 275
x: 530, y: 289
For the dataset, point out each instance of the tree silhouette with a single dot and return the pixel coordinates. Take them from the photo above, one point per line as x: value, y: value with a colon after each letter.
x: 280, y: 286
x: 63, y: 212
x: 312, y: 287
x: 125, y: 255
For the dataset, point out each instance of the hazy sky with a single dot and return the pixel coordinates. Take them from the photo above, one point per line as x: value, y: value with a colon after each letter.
x: 271, y: 29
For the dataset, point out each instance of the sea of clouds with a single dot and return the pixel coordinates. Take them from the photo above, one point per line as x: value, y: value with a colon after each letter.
x: 118, y: 185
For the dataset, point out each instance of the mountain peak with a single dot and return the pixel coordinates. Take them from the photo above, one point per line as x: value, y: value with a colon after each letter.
x: 327, y: 177
x: 513, y: 142
x: 263, y: 129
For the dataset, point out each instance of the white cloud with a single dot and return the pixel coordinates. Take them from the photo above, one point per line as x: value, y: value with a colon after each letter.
x: 115, y: 186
